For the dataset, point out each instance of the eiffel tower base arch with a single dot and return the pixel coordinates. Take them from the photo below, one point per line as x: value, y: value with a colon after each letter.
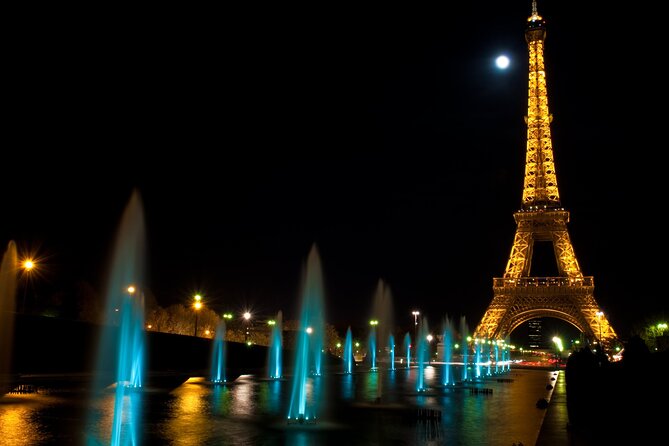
x: 516, y: 301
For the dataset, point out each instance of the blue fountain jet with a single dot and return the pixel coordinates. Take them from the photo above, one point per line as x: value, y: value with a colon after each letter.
x: 306, y: 385
x: 348, y: 352
x: 218, y: 355
x: 275, y: 349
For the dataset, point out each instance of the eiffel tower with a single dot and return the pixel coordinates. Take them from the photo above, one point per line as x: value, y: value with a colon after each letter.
x: 518, y: 296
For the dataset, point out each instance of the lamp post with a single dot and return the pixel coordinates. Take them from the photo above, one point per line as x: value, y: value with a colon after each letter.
x: 247, y: 318
x: 415, y: 324
x: 28, y: 265
x: 372, y: 345
x: 197, y: 305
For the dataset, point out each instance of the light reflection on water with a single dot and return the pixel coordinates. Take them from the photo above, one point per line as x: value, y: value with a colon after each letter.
x: 16, y: 424
x: 364, y: 408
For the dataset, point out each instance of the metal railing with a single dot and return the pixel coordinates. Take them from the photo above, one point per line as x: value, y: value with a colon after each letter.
x: 586, y: 281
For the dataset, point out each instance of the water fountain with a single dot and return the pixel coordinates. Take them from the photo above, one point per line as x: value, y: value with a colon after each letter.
x: 121, y: 351
x: 477, y: 359
x: 464, y: 340
x: 274, y: 357
x: 422, y: 355
x: 447, y: 342
x: 305, y: 395
x: 391, y: 351
x: 382, y: 321
x: 218, y: 355
x: 407, y: 349
x: 506, y: 356
x: 348, y: 352
x: 7, y: 309
x: 371, y: 345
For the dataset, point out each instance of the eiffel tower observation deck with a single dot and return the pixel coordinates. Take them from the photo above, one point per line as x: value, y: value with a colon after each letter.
x: 519, y: 296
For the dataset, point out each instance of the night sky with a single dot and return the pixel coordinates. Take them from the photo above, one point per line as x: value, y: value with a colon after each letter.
x: 385, y: 136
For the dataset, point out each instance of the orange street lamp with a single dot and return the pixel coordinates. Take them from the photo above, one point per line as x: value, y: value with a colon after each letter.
x: 28, y: 266
x: 197, y: 305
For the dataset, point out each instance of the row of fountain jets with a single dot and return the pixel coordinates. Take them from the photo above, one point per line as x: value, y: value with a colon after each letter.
x: 122, y: 345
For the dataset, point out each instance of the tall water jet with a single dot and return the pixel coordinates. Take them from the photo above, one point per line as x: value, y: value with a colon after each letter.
x: 464, y: 338
x: 506, y: 356
x: 371, y: 345
x: 477, y: 359
x: 274, y: 360
x: 218, y: 355
x: 383, y: 318
x: 304, y: 404
x: 121, y: 350
x: 348, y: 352
x: 8, y: 271
x: 422, y: 355
x: 407, y: 349
x: 447, y: 359
x: 391, y: 349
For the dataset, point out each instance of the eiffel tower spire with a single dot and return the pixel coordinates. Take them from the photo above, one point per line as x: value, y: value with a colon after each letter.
x: 540, y: 189
x: 519, y: 296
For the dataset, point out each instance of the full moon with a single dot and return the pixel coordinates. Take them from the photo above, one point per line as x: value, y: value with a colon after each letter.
x: 502, y: 62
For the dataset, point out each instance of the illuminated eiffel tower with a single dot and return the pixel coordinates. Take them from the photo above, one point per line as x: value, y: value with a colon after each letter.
x: 519, y: 297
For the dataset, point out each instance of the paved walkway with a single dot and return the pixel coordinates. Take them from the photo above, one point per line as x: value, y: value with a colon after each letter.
x: 555, y: 427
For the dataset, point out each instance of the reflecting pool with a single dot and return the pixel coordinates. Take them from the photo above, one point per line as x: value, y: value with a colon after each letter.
x: 495, y: 410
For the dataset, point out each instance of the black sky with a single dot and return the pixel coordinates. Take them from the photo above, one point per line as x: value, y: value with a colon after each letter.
x: 385, y: 136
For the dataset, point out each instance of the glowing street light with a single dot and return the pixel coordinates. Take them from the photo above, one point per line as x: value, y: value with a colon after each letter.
x: 415, y: 324
x: 247, y: 318
x: 197, y: 306
x: 28, y: 266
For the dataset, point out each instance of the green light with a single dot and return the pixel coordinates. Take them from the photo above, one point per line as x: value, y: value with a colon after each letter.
x: 270, y: 322
x: 373, y: 322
